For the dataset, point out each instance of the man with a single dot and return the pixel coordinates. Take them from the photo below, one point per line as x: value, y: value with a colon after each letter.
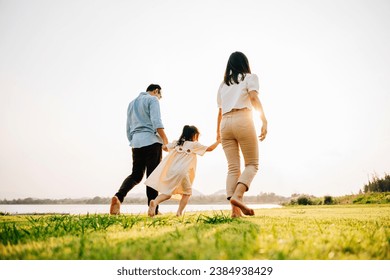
x: 147, y: 138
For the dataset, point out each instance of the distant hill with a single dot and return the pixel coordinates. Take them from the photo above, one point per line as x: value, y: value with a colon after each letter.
x: 220, y: 192
x: 196, y: 193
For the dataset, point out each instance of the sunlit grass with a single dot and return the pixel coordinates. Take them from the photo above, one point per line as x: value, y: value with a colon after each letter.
x: 310, y: 232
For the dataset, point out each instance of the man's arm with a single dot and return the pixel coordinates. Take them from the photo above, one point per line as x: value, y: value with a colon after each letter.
x: 155, y: 117
x: 128, y: 126
x: 164, y: 137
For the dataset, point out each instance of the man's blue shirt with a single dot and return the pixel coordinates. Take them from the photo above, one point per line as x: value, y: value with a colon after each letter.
x: 143, y: 119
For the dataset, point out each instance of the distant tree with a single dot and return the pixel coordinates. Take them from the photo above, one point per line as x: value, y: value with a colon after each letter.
x: 328, y: 200
x: 377, y: 184
x: 304, y: 200
x: 96, y: 200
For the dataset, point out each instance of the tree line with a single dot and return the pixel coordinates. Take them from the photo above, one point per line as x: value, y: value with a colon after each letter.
x: 377, y: 184
x: 270, y: 198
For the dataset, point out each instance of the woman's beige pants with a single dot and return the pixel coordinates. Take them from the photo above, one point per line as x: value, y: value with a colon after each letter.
x: 238, y: 133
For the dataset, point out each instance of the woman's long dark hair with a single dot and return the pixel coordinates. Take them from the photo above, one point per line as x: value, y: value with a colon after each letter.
x: 189, y: 131
x: 237, y: 64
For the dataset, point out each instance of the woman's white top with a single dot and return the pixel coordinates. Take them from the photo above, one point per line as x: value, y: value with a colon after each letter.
x: 236, y: 96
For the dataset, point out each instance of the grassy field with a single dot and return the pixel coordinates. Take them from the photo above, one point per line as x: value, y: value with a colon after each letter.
x: 300, y: 232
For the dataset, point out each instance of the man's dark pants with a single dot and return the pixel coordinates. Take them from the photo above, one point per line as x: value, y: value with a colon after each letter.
x: 144, y: 159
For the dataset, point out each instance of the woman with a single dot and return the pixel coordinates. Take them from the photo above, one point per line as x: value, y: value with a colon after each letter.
x: 237, y: 96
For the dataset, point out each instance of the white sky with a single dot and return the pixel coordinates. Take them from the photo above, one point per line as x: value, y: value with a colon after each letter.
x: 68, y: 70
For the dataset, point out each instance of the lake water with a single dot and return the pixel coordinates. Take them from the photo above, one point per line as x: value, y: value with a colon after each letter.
x: 104, y: 209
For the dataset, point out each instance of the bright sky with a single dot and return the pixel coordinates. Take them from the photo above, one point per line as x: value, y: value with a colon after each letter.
x: 68, y: 70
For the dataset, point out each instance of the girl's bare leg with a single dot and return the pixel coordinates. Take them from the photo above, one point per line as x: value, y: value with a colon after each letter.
x: 183, y: 202
x: 153, y: 203
x: 236, y: 200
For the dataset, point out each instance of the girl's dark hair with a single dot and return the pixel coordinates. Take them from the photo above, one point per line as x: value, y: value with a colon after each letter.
x: 237, y: 64
x: 189, y: 131
x: 152, y: 87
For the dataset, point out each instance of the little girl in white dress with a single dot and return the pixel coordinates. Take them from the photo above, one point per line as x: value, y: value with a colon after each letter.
x: 176, y: 172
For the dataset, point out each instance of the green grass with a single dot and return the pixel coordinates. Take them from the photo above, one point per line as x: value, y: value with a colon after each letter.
x: 300, y: 232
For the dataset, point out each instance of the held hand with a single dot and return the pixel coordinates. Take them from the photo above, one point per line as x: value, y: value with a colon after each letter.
x: 164, y: 147
x: 263, y: 132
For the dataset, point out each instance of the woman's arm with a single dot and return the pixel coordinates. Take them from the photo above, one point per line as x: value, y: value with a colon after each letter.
x: 219, y: 125
x: 253, y: 95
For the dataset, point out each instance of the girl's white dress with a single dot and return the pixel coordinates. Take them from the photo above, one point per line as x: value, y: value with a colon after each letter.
x: 176, y: 172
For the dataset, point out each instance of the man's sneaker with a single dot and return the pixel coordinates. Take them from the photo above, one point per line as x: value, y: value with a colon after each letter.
x: 115, y: 206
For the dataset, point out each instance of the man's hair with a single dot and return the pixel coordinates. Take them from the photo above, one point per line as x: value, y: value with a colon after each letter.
x: 152, y: 87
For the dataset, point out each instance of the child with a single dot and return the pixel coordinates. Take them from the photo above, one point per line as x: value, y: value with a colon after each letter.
x: 176, y: 173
